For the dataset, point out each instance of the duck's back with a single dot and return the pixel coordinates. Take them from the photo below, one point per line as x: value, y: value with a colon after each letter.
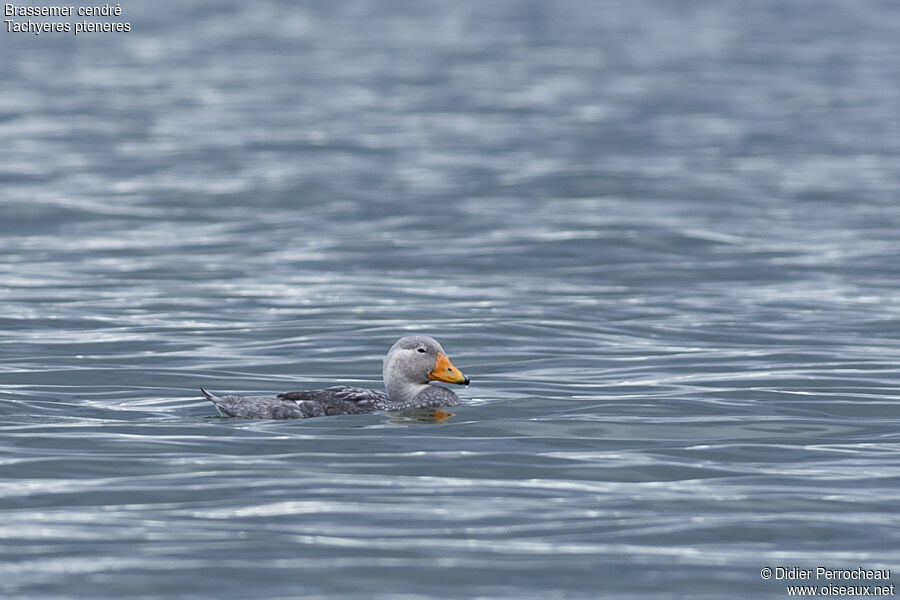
x: 337, y: 400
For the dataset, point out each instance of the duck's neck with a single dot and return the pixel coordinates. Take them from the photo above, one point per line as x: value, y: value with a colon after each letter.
x: 403, y: 392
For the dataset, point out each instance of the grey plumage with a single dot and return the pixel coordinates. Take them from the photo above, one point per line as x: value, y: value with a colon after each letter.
x: 409, y: 365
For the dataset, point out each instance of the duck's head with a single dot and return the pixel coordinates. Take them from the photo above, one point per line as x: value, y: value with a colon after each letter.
x: 418, y: 359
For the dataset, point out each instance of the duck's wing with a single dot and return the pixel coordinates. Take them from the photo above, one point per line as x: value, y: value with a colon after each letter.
x: 338, y: 400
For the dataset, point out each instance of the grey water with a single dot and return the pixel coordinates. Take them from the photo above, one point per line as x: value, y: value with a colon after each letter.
x: 661, y: 238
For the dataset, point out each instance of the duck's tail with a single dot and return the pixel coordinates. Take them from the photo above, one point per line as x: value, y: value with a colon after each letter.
x: 216, y: 402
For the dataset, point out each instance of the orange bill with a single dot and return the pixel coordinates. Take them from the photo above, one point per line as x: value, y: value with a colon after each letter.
x: 445, y: 371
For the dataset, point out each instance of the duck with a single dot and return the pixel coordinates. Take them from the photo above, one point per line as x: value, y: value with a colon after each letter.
x: 411, y: 364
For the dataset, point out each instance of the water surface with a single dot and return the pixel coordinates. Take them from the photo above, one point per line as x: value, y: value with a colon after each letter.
x: 662, y: 241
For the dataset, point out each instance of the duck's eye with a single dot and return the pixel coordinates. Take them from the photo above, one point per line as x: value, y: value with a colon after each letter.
x: 422, y: 350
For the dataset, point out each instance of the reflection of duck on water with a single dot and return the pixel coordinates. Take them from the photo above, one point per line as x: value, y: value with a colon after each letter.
x: 410, y: 364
